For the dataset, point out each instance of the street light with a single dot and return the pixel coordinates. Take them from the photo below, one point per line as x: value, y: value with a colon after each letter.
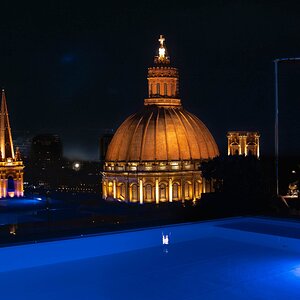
x: 276, y: 61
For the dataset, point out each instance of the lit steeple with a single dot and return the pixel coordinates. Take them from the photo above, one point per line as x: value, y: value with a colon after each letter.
x: 11, y: 165
x: 6, y: 143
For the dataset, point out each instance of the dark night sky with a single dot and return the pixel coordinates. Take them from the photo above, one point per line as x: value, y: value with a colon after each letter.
x: 76, y: 68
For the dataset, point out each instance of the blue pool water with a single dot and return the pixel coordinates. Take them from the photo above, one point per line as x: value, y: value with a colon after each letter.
x: 202, y: 261
x: 22, y: 202
x: 36, y: 209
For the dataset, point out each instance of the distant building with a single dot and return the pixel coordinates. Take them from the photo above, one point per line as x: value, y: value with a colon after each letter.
x: 46, y: 148
x: 45, y: 161
x: 11, y: 164
x: 243, y: 143
x: 23, y: 140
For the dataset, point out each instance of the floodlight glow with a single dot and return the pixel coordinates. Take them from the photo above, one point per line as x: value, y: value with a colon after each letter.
x: 162, y: 52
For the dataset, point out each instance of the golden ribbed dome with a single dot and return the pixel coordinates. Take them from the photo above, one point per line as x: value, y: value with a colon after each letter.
x: 163, y: 130
x: 162, y: 133
x: 155, y: 154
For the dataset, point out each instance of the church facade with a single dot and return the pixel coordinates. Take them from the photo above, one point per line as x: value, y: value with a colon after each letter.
x: 11, y: 164
x: 243, y: 143
x: 156, y: 153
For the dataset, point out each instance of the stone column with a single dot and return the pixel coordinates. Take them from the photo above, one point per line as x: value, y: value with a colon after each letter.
x: 170, y: 190
x: 182, y: 190
x: 21, y: 185
x: 245, y: 145
x: 114, y: 189
x: 156, y: 191
x: 104, y: 189
x: 1, y: 186
x: 228, y: 145
x: 194, y: 188
x: 127, y: 190
x: 17, y: 186
x: 4, y: 188
x: 141, y: 191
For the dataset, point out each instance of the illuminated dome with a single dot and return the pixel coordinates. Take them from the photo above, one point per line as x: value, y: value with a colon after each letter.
x: 163, y: 134
x: 156, y: 153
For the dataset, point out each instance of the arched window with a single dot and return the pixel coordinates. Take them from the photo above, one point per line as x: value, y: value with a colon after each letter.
x: 166, y: 89
x: 251, y: 149
x: 148, y: 192
x: 198, y: 188
x: 10, y: 184
x: 122, y: 191
x: 110, y: 189
x: 157, y: 89
x: 175, y: 191
x: 134, y: 192
x: 187, y: 190
x: 163, y: 192
x: 235, y: 149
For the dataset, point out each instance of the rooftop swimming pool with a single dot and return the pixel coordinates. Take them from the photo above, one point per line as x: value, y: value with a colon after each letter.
x: 237, y: 258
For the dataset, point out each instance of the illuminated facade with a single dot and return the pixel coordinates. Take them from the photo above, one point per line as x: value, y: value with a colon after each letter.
x: 243, y: 143
x: 156, y: 153
x: 11, y: 165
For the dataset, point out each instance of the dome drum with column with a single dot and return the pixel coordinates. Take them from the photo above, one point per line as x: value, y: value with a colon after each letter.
x: 156, y: 153
x: 155, y: 187
x: 152, y: 166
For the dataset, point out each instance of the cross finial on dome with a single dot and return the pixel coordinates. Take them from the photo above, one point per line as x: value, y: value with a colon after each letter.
x: 161, y: 40
x: 162, y: 57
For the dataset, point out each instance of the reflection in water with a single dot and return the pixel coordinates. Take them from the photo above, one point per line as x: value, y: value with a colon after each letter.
x: 13, y: 229
x: 165, y: 242
x: 165, y: 239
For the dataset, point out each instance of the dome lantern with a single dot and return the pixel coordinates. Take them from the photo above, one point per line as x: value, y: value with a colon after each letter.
x: 163, y: 80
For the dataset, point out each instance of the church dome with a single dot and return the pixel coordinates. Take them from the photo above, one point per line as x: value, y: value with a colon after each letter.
x: 162, y: 130
x: 156, y: 153
x: 162, y: 133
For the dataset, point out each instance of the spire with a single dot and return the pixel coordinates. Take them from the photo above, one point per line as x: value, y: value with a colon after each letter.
x: 6, y: 144
x: 162, y: 57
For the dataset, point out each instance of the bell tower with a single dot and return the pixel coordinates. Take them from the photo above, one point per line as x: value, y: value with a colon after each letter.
x: 11, y: 164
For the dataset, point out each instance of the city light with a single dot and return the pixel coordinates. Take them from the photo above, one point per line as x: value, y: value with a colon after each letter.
x: 76, y: 166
